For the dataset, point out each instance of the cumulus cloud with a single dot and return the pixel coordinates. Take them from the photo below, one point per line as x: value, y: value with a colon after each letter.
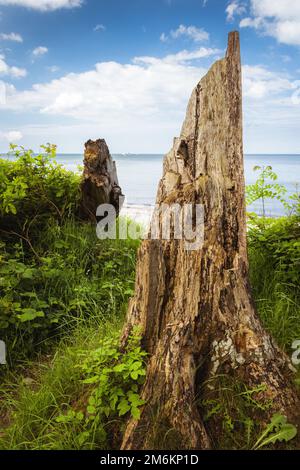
x: 113, y: 90
x: 2, y: 93
x: 11, y: 37
x: 43, y: 5
x: 39, y: 51
x: 163, y: 37
x: 12, y: 136
x: 234, y: 9
x: 277, y: 18
x: 251, y: 23
x: 14, y: 72
x: 143, y: 86
x: 53, y: 68
x: 99, y: 27
x: 260, y: 82
x: 271, y: 111
x: 192, y: 32
x: 179, y: 57
x: 139, y: 106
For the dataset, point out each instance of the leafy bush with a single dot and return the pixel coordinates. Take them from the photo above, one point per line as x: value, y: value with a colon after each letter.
x: 265, y: 188
x: 53, y: 269
x: 115, y: 378
x: 34, y: 188
x: 76, y: 276
x: 57, y: 405
x: 274, y: 256
x: 279, y: 239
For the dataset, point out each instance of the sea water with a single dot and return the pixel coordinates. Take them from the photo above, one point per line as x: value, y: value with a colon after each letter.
x: 139, y: 176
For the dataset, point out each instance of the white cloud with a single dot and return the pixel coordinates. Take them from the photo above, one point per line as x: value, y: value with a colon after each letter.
x: 99, y: 27
x: 163, y: 37
x: 11, y: 37
x: 12, y: 136
x: 251, y: 23
x: 139, y: 106
x: 277, y: 18
x: 179, y: 57
x: 43, y: 5
x: 280, y: 9
x: 259, y: 82
x: 2, y: 93
x: 148, y: 87
x: 53, y: 68
x: 14, y: 72
x: 271, y: 111
x: 39, y: 51
x: 192, y: 32
x: 234, y: 8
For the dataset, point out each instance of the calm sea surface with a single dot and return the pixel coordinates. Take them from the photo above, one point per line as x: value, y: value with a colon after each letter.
x: 139, y: 175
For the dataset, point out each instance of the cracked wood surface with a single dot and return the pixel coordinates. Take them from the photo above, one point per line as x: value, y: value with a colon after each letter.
x: 195, y: 308
x: 99, y: 180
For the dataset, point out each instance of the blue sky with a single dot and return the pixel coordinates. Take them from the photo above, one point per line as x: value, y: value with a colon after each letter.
x: 71, y: 70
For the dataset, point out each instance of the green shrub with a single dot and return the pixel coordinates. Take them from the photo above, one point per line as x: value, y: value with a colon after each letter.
x: 33, y: 189
x: 78, y: 399
x: 75, y: 276
x: 53, y: 269
x: 279, y: 240
x: 274, y: 255
x: 266, y: 188
x: 114, y: 378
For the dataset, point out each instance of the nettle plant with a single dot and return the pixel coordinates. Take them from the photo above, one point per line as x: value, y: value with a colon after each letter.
x: 266, y: 188
x: 113, y: 378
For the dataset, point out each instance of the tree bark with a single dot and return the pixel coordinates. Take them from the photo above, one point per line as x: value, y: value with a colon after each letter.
x: 195, y: 308
x: 99, y: 181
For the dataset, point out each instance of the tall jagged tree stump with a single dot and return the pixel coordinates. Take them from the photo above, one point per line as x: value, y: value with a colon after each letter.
x: 99, y: 180
x: 195, y: 308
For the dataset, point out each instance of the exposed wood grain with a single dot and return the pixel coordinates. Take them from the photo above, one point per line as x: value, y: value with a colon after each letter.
x: 99, y: 181
x: 195, y: 308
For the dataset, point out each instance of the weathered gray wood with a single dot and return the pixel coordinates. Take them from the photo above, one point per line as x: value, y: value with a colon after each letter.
x: 195, y: 308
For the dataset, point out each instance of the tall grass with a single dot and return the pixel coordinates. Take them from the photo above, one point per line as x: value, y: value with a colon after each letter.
x: 274, y: 275
x: 47, y: 387
x: 92, y: 281
x: 77, y: 276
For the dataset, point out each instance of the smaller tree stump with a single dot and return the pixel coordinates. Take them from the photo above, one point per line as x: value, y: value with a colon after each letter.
x: 100, y: 183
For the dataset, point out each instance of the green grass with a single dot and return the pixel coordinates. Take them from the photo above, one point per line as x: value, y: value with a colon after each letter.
x: 46, y: 389
x: 63, y: 297
x: 91, y: 282
x: 86, y: 284
x: 76, y: 277
x: 274, y: 257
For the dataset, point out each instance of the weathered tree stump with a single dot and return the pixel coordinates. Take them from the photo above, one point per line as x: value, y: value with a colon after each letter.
x: 195, y: 308
x: 99, y: 181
